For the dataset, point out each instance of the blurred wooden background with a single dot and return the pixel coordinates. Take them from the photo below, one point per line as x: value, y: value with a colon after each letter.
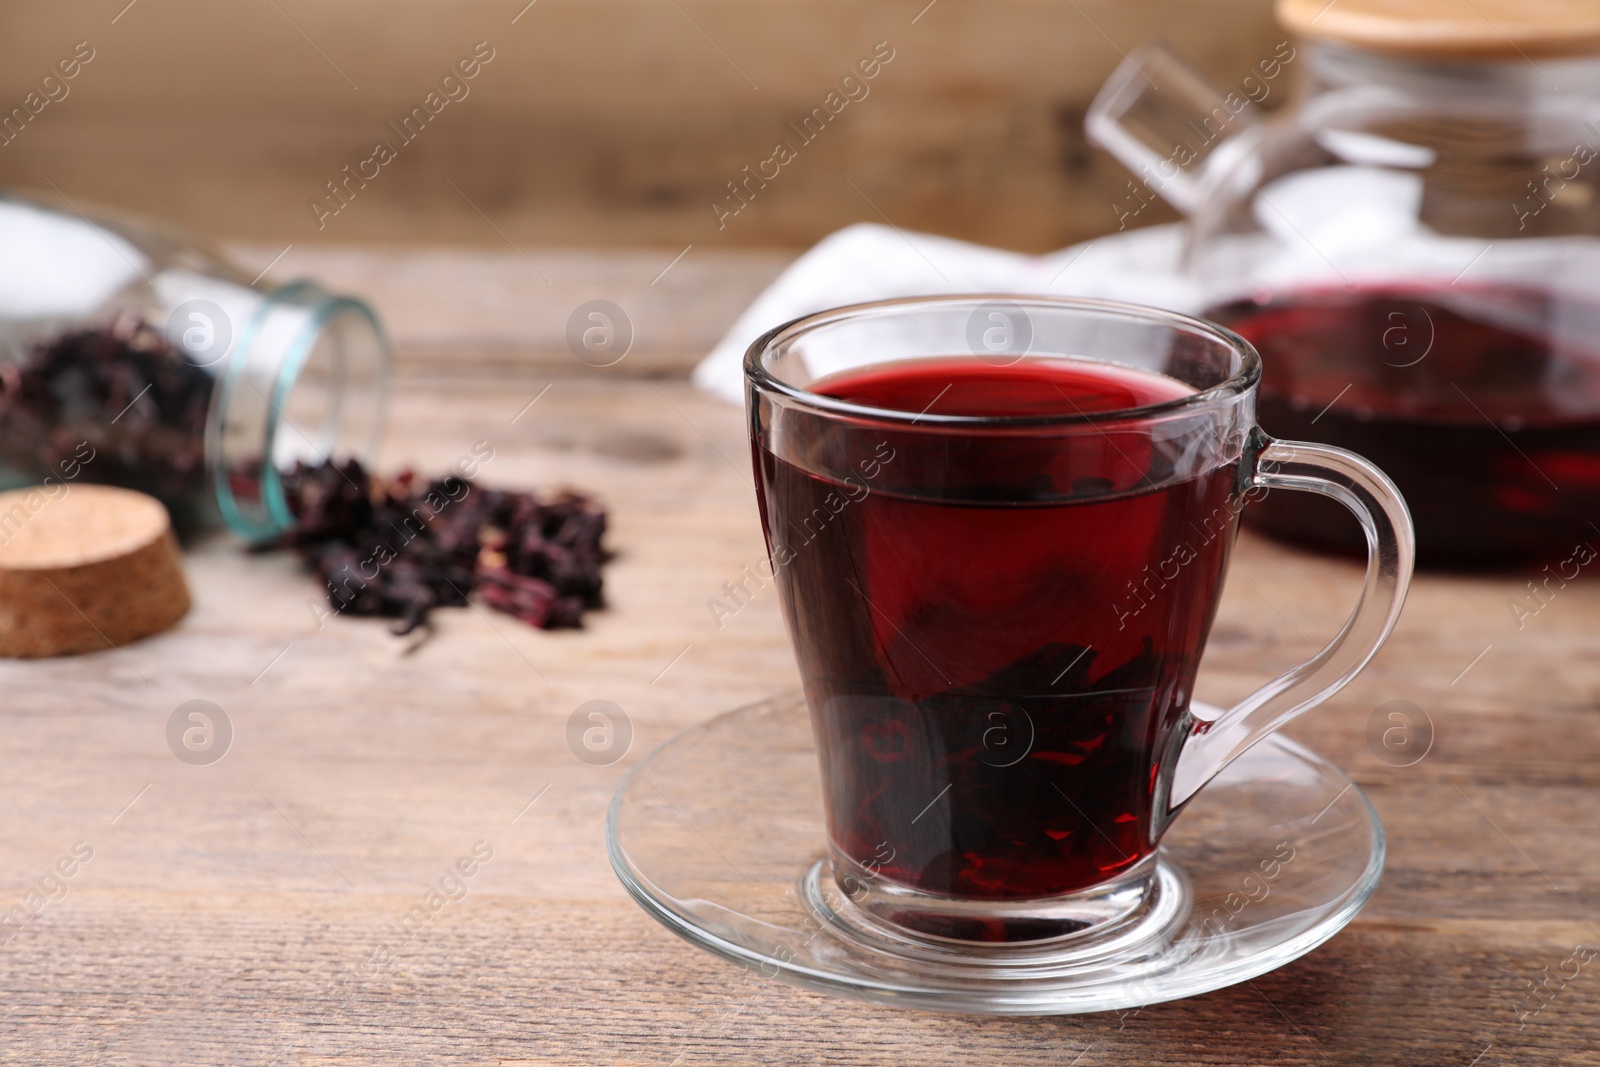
x: 598, y: 123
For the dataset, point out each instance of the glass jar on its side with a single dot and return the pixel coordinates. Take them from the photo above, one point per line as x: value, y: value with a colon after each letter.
x: 132, y: 355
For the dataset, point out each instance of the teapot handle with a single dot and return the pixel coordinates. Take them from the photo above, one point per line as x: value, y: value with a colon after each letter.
x: 1169, y: 123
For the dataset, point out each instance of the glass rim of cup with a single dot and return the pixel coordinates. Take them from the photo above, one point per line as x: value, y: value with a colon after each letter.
x: 1246, y: 377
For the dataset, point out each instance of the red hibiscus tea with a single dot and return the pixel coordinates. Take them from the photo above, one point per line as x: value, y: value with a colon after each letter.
x: 998, y: 631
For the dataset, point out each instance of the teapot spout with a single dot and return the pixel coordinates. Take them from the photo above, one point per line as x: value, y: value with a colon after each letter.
x: 1166, y: 121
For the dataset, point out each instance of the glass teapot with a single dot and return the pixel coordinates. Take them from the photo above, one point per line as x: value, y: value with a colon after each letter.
x: 1413, y: 244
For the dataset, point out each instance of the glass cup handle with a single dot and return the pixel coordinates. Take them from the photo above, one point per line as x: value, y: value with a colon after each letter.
x: 1391, y: 552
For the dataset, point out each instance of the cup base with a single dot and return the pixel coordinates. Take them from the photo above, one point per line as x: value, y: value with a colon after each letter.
x: 868, y: 901
x: 1142, y: 909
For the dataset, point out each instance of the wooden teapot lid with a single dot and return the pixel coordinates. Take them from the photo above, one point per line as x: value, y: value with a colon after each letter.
x: 85, y: 567
x: 1451, y: 29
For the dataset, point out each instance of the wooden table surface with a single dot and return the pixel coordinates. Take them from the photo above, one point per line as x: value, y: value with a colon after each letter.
x: 231, y: 913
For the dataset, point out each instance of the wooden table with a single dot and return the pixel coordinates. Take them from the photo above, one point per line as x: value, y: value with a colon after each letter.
x: 231, y: 913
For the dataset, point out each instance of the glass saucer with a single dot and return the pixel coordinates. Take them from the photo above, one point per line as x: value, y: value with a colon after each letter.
x: 719, y: 835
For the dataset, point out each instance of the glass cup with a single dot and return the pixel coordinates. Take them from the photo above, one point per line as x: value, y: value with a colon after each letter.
x: 998, y: 618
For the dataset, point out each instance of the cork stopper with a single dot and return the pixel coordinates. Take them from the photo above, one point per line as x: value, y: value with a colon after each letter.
x: 85, y: 567
x: 1451, y: 29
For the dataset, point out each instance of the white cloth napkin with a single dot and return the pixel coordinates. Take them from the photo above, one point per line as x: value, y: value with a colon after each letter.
x: 870, y: 262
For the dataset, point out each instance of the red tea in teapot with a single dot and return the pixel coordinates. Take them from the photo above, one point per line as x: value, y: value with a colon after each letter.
x: 1482, y: 403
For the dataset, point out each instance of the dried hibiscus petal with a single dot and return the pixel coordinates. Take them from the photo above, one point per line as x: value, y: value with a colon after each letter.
x: 399, y: 547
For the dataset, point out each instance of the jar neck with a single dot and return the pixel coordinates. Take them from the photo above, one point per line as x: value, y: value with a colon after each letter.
x: 1335, y: 66
x: 306, y: 382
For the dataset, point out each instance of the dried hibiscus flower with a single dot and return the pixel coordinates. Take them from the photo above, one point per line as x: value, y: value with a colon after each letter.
x: 400, y: 547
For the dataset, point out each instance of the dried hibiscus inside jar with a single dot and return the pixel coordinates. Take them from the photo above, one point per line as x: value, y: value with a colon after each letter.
x: 121, y: 401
